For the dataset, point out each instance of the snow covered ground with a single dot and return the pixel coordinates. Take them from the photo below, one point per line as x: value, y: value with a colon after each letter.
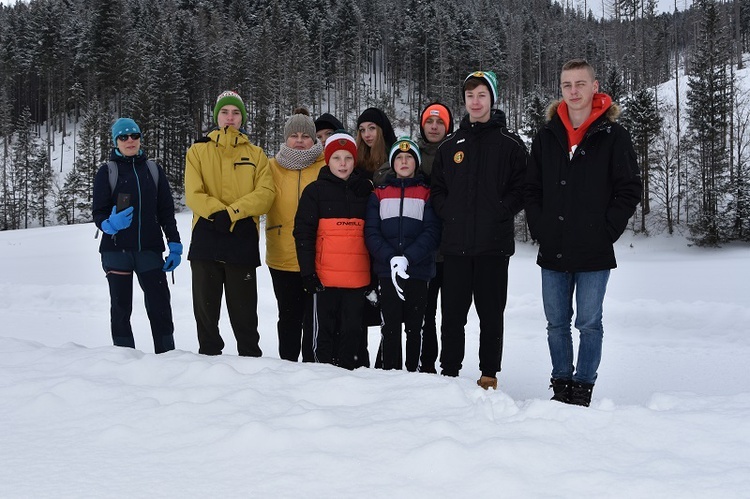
x: 80, y: 418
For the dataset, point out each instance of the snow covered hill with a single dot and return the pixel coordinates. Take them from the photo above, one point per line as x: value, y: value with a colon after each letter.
x: 80, y: 418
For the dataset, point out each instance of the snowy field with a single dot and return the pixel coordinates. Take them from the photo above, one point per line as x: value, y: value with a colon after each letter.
x: 670, y: 415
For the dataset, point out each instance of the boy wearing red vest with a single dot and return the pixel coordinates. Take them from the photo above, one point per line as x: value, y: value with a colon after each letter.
x: 583, y: 184
x: 333, y: 260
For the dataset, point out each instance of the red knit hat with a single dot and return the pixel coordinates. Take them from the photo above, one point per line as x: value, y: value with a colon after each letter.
x: 340, y: 140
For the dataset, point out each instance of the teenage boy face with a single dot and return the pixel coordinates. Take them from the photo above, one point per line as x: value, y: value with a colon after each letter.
x: 341, y: 164
x: 404, y: 165
x: 478, y: 103
x: 578, y: 89
x: 434, y: 129
x: 229, y: 115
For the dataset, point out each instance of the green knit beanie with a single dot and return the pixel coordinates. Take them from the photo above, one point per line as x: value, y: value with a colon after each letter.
x: 229, y: 98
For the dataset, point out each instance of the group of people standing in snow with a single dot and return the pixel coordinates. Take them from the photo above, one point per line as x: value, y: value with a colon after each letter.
x: 369, y: 229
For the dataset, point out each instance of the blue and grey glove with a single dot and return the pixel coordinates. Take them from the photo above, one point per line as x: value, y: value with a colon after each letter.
x: 117, y: 221
x: 174, y: 258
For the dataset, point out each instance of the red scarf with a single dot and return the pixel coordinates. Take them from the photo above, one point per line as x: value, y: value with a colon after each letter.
x: 599, y: 106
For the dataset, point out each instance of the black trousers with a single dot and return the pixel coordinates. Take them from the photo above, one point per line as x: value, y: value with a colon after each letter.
x: 119, y: 268
x: 295, y: 316
x: 409, y: 312
x: 210, y: 280
x: 485, y: 279
x: 337, y: 326
x: 429, y: 328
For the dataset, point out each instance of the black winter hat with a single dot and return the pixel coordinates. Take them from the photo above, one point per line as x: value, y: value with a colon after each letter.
x: 327, y: 121
x: 378, y: 117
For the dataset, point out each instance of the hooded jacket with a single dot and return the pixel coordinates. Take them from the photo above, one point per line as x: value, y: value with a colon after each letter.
x: 400, y: 222
x: 224, y: 171
x: 329, y: 230
x: 578, y: 206
x: 477, y: 187
x: 153, y: 207
x: 281, y: 253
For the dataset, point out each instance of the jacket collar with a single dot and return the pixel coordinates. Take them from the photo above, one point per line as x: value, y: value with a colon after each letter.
x: 228, y: 137
x: 497, y: 119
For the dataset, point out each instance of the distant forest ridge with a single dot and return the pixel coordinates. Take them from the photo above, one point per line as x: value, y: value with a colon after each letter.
x: 163, y: 63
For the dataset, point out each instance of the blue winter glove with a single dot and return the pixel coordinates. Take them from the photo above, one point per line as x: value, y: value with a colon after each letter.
x: 117, y: 221
x: 174, y: 258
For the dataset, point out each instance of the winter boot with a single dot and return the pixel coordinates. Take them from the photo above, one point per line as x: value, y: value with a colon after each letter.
x: 580, y: 394
x: 428, y: 369
x: 487, y: 382
x: 561, y: 387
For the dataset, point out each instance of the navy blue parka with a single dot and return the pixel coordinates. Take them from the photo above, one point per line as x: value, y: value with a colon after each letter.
x: 153, y: 208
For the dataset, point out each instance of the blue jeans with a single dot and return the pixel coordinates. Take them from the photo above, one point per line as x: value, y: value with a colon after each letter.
x: 557, y: 295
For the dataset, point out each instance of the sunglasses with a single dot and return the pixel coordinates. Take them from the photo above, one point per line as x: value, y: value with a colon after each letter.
x: 134, y: 136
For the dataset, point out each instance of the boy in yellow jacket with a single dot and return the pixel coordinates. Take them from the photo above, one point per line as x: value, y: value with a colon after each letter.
x: 228, y: 185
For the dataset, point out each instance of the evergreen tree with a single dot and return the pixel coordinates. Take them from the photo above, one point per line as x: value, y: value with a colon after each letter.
x: 91, y: 152
x: 535, y: 114
x: 40, y: 178
x: 664, y: 172
x: 73, y: 201
x: 708, y: 109
x: 739, y: 189
x: 644, y: 123
x: 23, y: 159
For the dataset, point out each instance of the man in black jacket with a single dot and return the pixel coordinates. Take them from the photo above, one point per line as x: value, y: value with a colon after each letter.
x: 477, y: 189
x: 583, y: 185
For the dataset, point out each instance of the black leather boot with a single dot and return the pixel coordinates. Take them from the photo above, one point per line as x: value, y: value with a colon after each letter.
x: 580, y: 394
x: 561, y: 387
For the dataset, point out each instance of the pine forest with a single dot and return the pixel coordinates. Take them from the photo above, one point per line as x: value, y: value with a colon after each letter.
x: 69, y: 68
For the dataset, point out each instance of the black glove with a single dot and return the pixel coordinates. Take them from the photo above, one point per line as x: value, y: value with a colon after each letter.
x: 222, y: 221
x: 362, y: 187
x: 311, y: 284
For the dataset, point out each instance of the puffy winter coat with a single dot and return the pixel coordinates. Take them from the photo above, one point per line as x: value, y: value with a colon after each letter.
x: 224, y: 171
x: 401, y: 222
x: 153, y: 206
x: 281, y: 253
x: 578, y: 207
x: 329, y: 230
x: 477, y: 187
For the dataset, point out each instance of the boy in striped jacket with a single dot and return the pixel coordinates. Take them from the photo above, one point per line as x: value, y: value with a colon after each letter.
x: 402, y: 234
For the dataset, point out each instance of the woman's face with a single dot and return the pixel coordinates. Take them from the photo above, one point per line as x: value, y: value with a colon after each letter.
x: 129, y: 146
x: 300, y: 141
x: 369, y: 132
